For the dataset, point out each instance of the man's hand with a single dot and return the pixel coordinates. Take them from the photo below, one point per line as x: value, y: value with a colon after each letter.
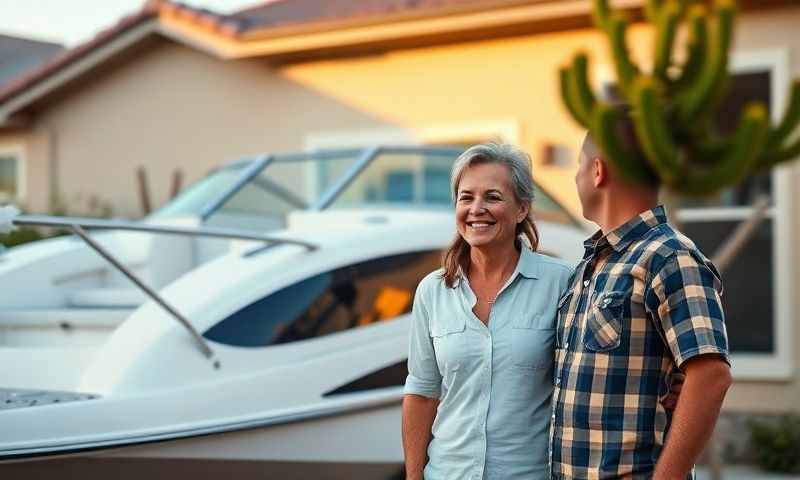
x: 708, y: 378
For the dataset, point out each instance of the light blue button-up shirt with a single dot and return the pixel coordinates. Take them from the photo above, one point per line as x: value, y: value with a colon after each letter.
x: 494, y: 383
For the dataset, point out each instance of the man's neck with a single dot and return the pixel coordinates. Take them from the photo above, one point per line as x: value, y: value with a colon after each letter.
x: 615, y: 213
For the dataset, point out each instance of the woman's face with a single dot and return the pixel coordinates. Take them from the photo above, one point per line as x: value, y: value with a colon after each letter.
x: 487, y: 213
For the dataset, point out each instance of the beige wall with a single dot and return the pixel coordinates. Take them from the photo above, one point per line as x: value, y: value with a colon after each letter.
x: 172, y: 106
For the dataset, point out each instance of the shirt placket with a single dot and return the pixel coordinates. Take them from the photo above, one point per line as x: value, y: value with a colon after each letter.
x: 485, y: 398
x: 583, y: 288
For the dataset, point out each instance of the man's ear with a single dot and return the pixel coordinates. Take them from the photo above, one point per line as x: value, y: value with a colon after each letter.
x: 600, y: 173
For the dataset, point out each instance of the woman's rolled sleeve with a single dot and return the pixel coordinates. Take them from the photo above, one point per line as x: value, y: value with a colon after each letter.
x: 423, y: 371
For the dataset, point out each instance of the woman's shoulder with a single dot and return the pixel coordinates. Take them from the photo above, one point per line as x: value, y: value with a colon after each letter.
x: 553, y: 266
x: 433, y: 280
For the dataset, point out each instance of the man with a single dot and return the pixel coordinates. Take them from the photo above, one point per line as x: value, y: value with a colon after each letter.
x: 644, y: 304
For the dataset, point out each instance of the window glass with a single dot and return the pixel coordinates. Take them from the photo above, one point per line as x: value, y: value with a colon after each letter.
x: 350, y: 297
x: 748, y: 284
x: 749, y: 287
x: 9, y: 171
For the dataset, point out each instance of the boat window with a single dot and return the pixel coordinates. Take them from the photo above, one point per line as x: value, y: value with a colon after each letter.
x: 350, y: 297
x: 402, y: 178
x: 392, y: 376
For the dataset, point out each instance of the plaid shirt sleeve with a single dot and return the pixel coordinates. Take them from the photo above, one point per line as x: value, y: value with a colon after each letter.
x: 423, y: 371
x: 685, y: 298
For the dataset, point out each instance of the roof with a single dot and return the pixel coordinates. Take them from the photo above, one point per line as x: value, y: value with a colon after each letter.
x: 286, y: 27
x: 56, y: 63
x: 289, y: 12
x: 265, y: 16
x: 19, y: 54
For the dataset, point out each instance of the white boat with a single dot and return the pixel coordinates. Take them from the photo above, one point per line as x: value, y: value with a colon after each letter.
x: 281, y: 351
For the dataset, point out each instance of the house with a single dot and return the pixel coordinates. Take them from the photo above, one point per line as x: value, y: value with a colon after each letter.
x: 177, y: 87
x: 18, y: 55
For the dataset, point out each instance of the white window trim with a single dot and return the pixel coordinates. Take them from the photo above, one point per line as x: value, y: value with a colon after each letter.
x: 18, y: 151
x: 778, y: 364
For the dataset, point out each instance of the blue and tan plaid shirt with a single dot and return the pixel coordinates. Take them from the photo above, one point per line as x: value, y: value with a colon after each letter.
x: 642, y: 302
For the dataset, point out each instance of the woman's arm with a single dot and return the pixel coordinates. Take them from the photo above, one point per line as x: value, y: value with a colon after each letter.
x: 422, y: 389
x: 418, y: 415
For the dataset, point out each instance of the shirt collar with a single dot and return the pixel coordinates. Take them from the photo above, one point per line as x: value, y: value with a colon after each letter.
x: 632, y: 230
x: 527, y: 265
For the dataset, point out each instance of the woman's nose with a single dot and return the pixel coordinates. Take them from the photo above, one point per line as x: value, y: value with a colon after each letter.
x: 477, y: 207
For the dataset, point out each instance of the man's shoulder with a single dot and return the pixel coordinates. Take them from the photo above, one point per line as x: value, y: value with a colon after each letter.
x: 665, y: 241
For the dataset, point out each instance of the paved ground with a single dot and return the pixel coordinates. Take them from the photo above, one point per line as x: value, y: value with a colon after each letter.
x: 745, y: 473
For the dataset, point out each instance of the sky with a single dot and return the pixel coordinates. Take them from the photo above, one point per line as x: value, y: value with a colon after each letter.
x: 70, y: 22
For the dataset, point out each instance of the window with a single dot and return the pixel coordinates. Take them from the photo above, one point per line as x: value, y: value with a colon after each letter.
x: 349, y: 297
x: 392, y: 376
x: 757, y: 315
x: 11, y: 175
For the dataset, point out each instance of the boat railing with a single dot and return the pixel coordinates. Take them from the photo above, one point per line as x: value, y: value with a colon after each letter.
x: 10, y: 218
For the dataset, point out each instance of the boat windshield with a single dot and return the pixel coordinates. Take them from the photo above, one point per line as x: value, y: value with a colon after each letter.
x: 274, y: 186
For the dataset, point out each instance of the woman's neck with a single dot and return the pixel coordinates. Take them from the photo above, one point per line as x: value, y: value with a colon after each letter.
x: 492, y: 263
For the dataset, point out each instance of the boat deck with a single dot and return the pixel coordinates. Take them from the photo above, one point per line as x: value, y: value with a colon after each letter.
x: 21, y: 398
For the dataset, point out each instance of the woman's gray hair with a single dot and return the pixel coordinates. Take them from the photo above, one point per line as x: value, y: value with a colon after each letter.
x: 456, y: 257
x: 517, y: 161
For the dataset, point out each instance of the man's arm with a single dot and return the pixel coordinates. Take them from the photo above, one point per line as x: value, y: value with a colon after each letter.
x: 418, y: 415
x: 685, y: 299
x: 707, y: 380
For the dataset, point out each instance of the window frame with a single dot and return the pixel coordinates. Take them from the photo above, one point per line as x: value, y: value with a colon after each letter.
x: 18, y: 152
x: 778, y: 364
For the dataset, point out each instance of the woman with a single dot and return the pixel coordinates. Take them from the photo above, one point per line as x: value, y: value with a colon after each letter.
x: 477, y: 397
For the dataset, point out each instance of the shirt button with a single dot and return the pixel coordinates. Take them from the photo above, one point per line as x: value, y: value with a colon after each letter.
x: 566, y: 346
x: 558, y: 381
x: 586, y: 283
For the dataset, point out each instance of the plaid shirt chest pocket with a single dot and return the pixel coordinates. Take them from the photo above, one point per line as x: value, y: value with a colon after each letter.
x: 604, y: 321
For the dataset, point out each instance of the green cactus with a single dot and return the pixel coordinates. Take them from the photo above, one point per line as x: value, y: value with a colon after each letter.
x: 672, y: 105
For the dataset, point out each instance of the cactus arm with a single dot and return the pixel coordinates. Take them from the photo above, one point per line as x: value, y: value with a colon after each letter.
x: 790, y: 120
x: 626, y: 70
x: 711, y: 150
x: 783, y: 155
x: 699, y: 97
x: 581, y: 90
x: 601, y: 14
x: 698, y: 43
x: 652, y: 9
x: 605, y: 121
x: 568, y: 97
x: 666, y: 26
x: 748, y: 142
x: 653, y: 132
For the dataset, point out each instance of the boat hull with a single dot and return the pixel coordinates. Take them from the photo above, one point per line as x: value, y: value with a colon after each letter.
x: 364, y: 444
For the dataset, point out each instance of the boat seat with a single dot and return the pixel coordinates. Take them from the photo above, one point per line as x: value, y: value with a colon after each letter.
x: 106, y: 297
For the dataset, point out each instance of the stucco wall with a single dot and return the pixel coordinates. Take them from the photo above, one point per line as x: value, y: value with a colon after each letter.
x: 174, y: 107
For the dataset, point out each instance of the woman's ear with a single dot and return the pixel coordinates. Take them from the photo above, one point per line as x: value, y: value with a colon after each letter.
x: 523, y: 213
